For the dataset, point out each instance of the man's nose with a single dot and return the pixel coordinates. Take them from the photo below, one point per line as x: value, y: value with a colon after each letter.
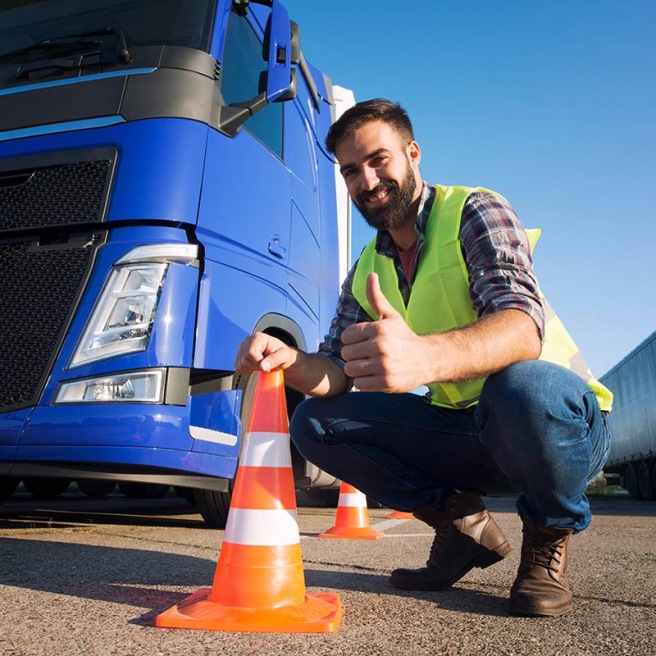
x: 370, y: 179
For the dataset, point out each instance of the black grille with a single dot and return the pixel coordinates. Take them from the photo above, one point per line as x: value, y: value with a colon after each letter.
x: 53, y: 195
x: 39, y: 288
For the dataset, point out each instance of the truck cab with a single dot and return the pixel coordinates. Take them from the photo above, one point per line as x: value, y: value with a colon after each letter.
x: 164, y: 192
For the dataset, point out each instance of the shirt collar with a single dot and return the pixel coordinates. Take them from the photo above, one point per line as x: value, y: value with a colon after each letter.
x: 384, y: 243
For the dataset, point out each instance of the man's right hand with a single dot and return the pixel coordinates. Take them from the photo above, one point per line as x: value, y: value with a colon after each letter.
x: 262, y: 352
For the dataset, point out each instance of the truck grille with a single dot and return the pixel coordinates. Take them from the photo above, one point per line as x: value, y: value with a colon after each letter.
x: 45, y: 258
x: 53, y: 195
x: 39, y: 288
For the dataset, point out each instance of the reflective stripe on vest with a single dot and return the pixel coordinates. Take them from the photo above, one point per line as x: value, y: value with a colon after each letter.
x: 433, y: 309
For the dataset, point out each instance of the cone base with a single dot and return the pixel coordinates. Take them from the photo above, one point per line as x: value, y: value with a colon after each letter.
x: 319, y: 613
x: 399, y: 514
x: 352, y: 533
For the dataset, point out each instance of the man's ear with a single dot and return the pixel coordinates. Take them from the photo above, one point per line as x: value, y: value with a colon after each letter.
x: 413, y: 151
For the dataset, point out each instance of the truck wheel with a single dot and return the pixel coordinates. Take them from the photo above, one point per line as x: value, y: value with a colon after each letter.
x: 213, y: 506
x: 646, y: 480
x: 630, y: 481
x: 96, y: 489
x: 46, y: 488
x: 7, y: 487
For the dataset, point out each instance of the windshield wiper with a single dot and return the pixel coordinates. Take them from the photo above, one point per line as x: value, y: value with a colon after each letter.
x: 71, y: 44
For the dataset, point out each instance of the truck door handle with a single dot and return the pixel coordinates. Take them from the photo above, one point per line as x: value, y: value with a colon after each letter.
x: 277, y: 249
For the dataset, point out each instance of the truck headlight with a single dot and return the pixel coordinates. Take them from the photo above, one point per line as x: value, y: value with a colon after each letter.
x: 135, y: 386
x: 123, y: 317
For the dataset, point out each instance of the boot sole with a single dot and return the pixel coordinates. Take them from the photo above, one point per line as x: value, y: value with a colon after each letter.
x: 536, y: 612
x: 484, y: 560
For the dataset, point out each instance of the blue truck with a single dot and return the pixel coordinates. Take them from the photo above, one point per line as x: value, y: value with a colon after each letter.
x: 164, y: 192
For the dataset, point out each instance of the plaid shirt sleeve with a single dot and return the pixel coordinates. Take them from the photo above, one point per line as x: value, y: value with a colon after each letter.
x: 498, y: 258
x: 347, y: 313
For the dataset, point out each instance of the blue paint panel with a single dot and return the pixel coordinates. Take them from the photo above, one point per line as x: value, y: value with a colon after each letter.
x: 217, y: 411
x: 11, y: 426
x: 160, y: 165
x: 118, y: 424
x: 231, y: 302
x: 160, y: 170
x: 137, y: 434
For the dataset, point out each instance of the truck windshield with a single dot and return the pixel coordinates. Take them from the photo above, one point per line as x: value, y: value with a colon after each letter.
x: 31, y: 26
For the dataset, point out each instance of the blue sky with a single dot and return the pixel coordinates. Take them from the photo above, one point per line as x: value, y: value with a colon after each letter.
x: 549, y: 102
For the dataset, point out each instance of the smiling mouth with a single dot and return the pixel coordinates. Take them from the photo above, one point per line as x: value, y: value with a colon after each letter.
x: 376, y: 196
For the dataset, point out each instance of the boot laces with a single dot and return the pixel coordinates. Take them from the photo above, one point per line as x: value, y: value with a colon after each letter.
x: 547, y: 554
x: 441, y: 530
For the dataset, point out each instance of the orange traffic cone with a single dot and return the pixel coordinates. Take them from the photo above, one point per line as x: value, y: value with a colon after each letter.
x: 399, y: 514
x: 352, y: 518
x: 259, y: 584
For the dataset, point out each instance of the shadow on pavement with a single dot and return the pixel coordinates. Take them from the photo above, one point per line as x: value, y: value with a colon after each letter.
x: 127, y: 576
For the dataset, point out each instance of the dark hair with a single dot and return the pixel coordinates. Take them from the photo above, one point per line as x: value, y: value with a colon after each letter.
x: 378, y: 109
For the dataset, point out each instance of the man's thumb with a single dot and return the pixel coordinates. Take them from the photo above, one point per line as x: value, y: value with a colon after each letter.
x: 379, y: 303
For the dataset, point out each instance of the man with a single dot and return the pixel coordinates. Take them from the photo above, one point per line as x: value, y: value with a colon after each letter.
x: 445, y: 296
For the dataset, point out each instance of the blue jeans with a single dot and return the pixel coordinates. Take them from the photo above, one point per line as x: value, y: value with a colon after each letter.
x: 537, y: 432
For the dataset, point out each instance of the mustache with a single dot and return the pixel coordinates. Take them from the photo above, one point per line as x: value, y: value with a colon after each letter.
x: 390, y: 185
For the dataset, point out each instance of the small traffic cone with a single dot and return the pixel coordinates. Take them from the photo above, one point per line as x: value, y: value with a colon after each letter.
x: 259, y: 584
x: 400, y: 514
x: 352, y: 518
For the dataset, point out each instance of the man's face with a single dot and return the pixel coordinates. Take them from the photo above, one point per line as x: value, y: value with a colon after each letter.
x: 381, y: 174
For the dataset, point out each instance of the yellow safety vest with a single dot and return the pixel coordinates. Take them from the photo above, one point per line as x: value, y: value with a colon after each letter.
x: 439, y: 300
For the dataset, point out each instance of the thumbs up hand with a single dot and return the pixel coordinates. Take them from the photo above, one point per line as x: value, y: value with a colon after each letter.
x: 384, y: 355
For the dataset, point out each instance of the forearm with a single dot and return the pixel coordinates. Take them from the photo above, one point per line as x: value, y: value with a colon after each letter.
x: 482, y: 348
x: 316, y: 375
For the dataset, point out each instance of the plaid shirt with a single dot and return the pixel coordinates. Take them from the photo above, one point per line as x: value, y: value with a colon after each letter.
x: 496, y: 252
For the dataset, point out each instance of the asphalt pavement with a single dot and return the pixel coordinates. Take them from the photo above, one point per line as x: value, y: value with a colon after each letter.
x: 86, y: 576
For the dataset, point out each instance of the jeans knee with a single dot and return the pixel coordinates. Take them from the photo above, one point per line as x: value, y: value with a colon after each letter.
x: 533, y: 388
x: 304, y: 428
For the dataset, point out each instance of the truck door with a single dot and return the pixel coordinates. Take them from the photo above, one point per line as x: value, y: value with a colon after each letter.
x: 244, y: 218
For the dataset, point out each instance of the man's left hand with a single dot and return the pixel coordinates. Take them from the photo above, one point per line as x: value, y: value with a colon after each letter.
x: 384, y: 355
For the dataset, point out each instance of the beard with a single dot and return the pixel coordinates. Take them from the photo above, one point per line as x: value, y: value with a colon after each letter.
x: 396, y: 210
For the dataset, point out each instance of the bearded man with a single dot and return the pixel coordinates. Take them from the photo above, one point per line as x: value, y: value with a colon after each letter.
x: 445, y: 296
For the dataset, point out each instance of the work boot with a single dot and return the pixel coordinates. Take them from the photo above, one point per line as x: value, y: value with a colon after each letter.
x: 466, y: 536
x: 541, y: 586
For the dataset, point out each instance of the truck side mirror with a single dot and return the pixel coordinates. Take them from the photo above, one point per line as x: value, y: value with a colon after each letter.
x: 295, y: 55
x: 278, y: 41
x: 278, y: 82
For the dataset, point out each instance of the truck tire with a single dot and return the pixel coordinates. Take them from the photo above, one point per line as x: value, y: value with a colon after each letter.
x: 7, y: 487
x: 630, y: 481
x: 646, y: 480
x: 96, y: 489
x: 46, y: 488
x: 213, y: 506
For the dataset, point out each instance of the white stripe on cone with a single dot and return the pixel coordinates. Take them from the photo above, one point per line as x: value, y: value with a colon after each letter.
x: 267, y: 528
x: 353, y: 499
x: 266, y: 450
